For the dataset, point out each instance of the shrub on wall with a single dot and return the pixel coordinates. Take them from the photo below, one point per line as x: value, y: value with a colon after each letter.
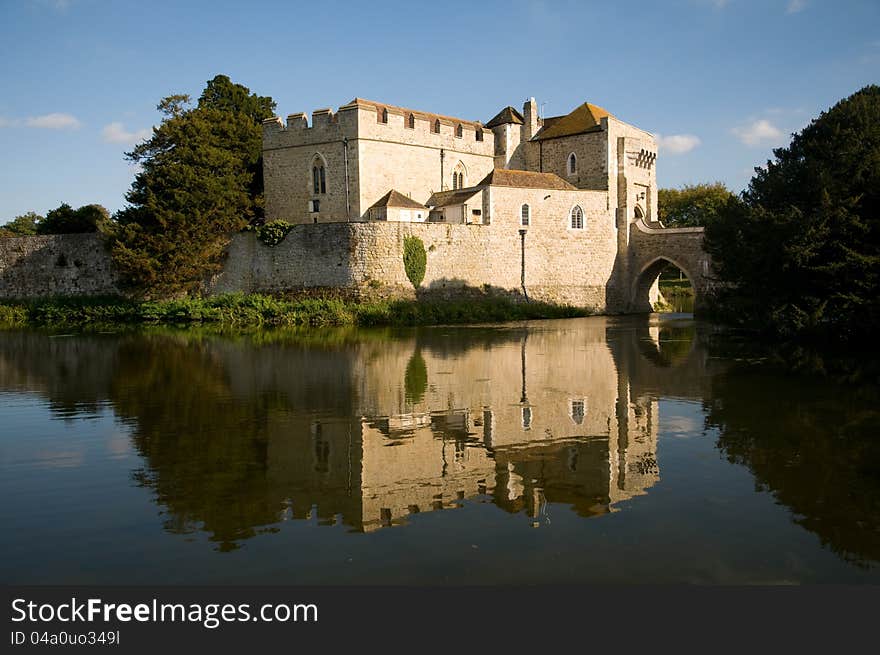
x: 415, y: 259
x: 273, y: 232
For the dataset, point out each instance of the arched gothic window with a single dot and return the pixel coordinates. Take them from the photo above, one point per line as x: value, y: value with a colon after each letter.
x: 459, y: 130
x: 458, y: 178
x: 478, y: 135
x: 383, y: 115
x: 524, y: 215
x: 572, y: 164
x: 319, y: 176
x: 411, y: 121
x: 577, y: 218
x: 437, y: 126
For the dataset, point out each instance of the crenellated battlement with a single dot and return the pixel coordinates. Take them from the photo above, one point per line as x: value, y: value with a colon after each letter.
x: 325, y: 126
x: 383, y: 122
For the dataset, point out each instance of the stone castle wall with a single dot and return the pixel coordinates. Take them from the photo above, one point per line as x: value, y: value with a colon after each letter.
x: 56, y: 265
x: 562, y: 265
x: 289, y: 152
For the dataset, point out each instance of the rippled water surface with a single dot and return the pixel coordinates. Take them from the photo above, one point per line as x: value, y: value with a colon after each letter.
x: 600, y: 449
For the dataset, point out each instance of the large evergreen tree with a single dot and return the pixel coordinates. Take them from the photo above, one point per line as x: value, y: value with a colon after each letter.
x: 199, y: 182
x: 800, y: 253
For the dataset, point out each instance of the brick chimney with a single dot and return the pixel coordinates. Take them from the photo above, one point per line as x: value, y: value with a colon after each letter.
x: 530, y: 118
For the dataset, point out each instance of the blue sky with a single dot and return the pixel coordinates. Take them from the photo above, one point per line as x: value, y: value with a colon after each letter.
x: 722, y: 81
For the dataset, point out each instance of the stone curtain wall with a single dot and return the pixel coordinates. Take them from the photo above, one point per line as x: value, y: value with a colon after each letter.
x: 366, y: 259
x: 56, y: 265
x: 562, y: 266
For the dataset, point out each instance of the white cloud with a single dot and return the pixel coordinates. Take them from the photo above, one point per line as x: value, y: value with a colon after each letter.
x: 794, y: 6
x: 5, y: 122
x: 116, y: 133
x: 53, y: 122
x: 677, y: 144
x: 758, y: 132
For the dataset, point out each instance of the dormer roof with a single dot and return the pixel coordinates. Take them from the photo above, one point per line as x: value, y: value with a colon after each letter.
x: 396, y: 199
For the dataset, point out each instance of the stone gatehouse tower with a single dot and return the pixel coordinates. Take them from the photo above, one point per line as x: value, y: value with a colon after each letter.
x: 582, y: 187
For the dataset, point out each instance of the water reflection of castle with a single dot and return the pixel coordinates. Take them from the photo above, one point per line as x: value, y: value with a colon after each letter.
x: 536, y: 417
x: 365, y: 429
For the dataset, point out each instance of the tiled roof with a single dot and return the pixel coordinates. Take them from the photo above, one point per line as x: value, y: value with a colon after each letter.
x: 454, y: 197
x: 396, y: 199
x: 403, y: 111
x: 526, y: 180
x: 506, y: 115
x: 581, y: 119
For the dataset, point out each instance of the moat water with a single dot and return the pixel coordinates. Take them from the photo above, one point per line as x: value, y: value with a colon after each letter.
x: 637, y: 449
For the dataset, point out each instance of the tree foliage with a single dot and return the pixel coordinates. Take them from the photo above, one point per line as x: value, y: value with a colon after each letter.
x: 415, y: 259
x: 692, y: 205
x: 800, y: 252
x: 21, y: 226
x: 67, y: 220
x: 198, y: 183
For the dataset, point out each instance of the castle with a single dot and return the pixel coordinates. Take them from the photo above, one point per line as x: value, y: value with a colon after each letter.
x: 582, y: 187
x: 558, y: 209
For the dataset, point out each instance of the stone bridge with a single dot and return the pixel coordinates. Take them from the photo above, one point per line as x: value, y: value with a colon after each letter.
x: 652, y: 248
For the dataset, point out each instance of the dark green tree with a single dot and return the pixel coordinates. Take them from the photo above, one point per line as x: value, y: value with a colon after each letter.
x: 21, y: 226
x: 67, y: 220
x: 198, y: 184
x: 415, y: 259
x: 800, y: 252
x: 692, y: 205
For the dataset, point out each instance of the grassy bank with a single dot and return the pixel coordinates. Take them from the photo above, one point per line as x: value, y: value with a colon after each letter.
x: 258, y: 310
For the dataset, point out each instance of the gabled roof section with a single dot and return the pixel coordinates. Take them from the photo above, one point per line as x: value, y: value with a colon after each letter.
x: 454, y: 197
x: 506, y: 115
x: 585, y: 118
x: 396, y: 199
x: 526, y: 180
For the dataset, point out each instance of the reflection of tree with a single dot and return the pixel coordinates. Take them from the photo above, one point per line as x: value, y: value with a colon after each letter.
x: 813, y: 443
x: 205, y: 449
x: 415, y: 379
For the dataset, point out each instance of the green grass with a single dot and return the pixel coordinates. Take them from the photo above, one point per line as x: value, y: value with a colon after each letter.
x: 249, y: 310
x: 676, y: 288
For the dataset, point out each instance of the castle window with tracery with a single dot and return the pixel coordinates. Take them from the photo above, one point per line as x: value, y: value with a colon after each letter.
x: 576, y: 218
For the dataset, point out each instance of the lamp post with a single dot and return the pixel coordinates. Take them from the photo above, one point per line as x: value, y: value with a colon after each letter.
x: 522, y: 276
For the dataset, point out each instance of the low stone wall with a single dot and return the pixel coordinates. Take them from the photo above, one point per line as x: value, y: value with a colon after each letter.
x: 56, y: 265
x: 366, y: 260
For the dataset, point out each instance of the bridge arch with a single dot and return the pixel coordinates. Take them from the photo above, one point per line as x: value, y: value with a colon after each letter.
x: 652, y: 248
x: 642, y: 294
